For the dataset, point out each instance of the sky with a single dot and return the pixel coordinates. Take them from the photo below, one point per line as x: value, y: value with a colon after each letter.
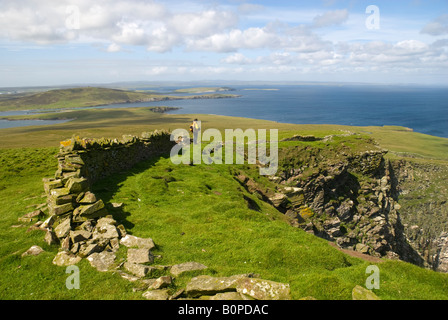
x: 60, y: 42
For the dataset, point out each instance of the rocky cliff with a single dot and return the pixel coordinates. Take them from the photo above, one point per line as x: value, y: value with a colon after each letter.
x: 421, y: 187
x: 358, y: 199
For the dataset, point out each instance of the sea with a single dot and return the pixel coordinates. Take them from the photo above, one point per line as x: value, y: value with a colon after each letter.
x: 420, y: 108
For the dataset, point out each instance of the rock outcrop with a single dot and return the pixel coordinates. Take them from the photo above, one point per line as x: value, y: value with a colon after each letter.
x: 347, y: 197
x: 422, y: 190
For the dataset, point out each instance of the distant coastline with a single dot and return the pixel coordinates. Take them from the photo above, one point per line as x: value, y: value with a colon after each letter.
x: 260, y: 89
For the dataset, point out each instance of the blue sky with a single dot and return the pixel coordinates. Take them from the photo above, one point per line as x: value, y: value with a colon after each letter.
x: 83, y: 41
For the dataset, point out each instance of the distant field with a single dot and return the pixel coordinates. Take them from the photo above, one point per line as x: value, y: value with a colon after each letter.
x: 87, y: 97
x: 203, y: 89
x: 113, y: 123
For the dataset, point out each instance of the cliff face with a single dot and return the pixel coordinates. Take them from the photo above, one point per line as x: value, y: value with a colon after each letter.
x: 422, y: 189
x: 351, y: 198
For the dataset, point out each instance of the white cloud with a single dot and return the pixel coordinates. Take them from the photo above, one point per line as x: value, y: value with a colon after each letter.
x: 330, y: 18
x: 437, y: 27
x: 236, y: 58
x: 277, y: 39
x: 202, y: 23
x: 113, y: 47
x: 250, y: 8
x: 235, y: 39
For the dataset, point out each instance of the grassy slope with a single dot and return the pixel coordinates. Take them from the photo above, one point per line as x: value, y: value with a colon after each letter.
x: 192, y: 212
x: 80, y: 97
x: 115, y: 122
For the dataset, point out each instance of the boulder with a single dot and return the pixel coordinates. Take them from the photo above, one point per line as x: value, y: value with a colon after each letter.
x: 161, y: 282
x: 178, y: 269
x: 31, y: 216
x: 360, y: 293
x: 229, y: 296
x: 133, y: 241
x: 139, y: 270
x: 105, y: 230
x: 102, y: 261
x: 208, y: 285
x: 64, y: 258
x: 264, y: 289
x: 362, y: 248
x: 161, y: 294
x: 140, y: 256
x: 33, y: 251
x: 278, y: 199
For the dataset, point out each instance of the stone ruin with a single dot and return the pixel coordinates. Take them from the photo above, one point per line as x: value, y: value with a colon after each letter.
x: 78, y: 220
x: 80, y: 223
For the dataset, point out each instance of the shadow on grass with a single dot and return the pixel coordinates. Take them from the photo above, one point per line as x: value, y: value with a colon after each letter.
x: 108, y: 187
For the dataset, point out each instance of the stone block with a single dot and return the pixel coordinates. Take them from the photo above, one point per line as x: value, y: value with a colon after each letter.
x: 261, y: 289
x: 102, y: 261
x: 131, y: 241
x: 178, y: 269
x: 64, y: 258
x: 52, y: 184
x: 57, y: 210
x: 140, y: 256
x: 61, y: 199
x: 63, y: 229
x: 88, y: 198
x: 93, y: 210
x: 137, y: 269
x: 77, y: 185
x: 79, y: 235
x: 59, y: 192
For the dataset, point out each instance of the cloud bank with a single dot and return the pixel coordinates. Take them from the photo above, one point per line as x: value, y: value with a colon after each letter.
x: 269, y: 46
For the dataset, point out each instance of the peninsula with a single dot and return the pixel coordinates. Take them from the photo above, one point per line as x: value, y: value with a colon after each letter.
x: 91, y: 97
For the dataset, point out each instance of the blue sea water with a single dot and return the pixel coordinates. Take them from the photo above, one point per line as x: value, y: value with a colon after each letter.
x: 423, y: 109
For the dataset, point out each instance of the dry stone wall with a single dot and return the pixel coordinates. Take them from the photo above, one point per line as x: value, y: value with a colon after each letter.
x: 78, y: 219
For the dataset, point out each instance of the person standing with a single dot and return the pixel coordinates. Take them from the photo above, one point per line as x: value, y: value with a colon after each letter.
x: 195, y: 128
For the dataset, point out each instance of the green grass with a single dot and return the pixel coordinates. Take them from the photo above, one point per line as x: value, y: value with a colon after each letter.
x: 193, y: 213
x: 112, y: 123
x: 197, y: 213
x: 36, y: 277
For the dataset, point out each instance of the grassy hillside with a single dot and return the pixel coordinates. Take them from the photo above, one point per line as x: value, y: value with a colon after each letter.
x: 112, y: 123
x: 193, y: 213
x: 84, y: 97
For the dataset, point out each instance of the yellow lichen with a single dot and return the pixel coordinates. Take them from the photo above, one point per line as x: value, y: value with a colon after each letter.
x: 306, y: 212
x: 66, y: 143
